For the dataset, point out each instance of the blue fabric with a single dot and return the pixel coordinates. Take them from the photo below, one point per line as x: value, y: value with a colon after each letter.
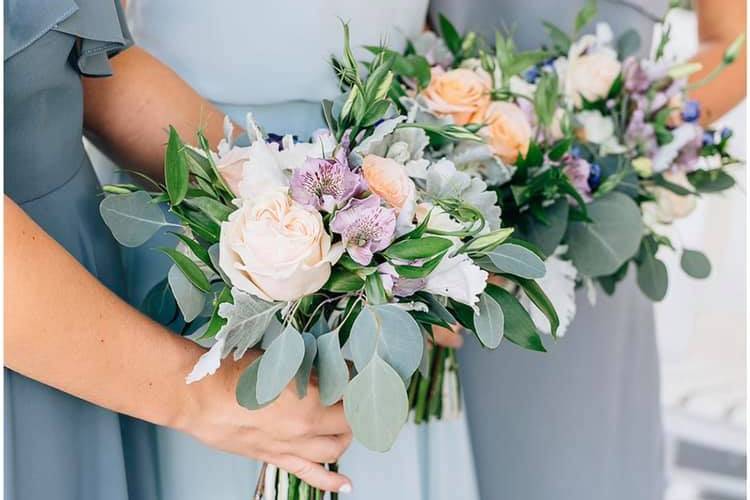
x: 58, y: 446
x: 278, y: 69
x: 583, y: 421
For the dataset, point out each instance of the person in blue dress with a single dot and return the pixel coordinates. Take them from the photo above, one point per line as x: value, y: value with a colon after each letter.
x: 75, y: 352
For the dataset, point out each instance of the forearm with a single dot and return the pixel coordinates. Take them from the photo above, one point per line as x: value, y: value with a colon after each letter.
x: 719, y: 24
x: 65, y: 329
x: 127, y: 115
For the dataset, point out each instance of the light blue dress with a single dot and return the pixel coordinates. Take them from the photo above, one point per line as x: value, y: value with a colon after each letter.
x: 56, y: 445
x: 272, y: 58
x: 582, y: 421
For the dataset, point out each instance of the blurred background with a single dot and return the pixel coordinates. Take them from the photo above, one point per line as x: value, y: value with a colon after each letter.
x: 701, y: 328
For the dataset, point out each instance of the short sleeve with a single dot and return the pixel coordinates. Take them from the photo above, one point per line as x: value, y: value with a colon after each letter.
x: 102, y: 30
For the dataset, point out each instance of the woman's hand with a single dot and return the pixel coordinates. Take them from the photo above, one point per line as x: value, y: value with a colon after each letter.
x: 445, y: 337
x: 294, y: 434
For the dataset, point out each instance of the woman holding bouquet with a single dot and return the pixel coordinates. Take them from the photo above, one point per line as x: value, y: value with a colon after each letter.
x: 583, y: 420
x: 271, y: 59
x: 75, y: 353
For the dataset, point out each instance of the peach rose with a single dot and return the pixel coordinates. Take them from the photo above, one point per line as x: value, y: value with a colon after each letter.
x: 276, y: 249
x: 459, y: 93
x: 387, y: 178
x: 507, y: 132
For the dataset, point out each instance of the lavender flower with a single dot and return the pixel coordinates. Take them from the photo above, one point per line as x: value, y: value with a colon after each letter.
x: 636, y: 78
x: 365, y: 227
x: 397, y: 286
x: 324, y: 184
x: 578, y: 171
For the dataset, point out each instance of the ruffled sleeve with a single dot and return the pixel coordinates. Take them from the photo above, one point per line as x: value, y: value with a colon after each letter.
x: 103, y: 32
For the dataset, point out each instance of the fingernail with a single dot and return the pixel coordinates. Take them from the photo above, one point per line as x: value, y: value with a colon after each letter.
x: 345, y: 489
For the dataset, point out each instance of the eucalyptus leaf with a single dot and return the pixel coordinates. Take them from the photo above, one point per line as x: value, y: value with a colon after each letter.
x: 245, y: 392
x: 547, y: 236
x: 279, y: 364
x: 489, y: 322
x: 132, y: 218
x: 517, y: 260
x: 652, y: 278
x: 333, y: 374
x: 302, y: 378
x: 392, y: 333
x: 695, y: 264
x: 248, y: 318
x: 628, y: 44
x: 159, y: 304
x: 519, y: 327
x: 600, y: 247
x: 189, y: 298
x: 376, y: 405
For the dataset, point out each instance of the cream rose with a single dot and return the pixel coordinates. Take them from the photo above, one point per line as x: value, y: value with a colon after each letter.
x: 669, y: 206
x: 276, y: 249
x: 507, y: 132
x: 230, y: 164
x: 459, y: 93
x: 388, y: 179
x: 590, y: 75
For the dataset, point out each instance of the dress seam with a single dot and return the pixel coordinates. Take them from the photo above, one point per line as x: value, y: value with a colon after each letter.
x: 59, y: 186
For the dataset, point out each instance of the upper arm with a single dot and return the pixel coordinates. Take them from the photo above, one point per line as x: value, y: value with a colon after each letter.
x: 720, y: 21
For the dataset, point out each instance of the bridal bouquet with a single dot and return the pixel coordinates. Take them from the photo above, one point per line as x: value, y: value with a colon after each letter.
x: 591, y: 151
x: 338, y: 254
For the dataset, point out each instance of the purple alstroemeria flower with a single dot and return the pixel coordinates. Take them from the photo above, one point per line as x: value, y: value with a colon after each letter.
x: 578, y: 171
x: 635, y: 77
x: 324, y: 184
x: 365, y: 227
x: 397, y: 286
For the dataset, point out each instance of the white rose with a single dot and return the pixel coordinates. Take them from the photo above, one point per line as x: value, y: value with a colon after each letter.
x: 668, y: 206
x: 599, y: 129
x: 276, y: 249
x: 590, y: 71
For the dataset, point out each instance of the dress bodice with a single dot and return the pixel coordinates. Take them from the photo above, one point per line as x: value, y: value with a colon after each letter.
x: 266, y: 53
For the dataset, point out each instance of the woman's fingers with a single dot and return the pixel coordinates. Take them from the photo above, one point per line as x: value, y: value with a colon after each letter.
x: 448, y: 338
x: 332, y: 421
x: 314, y: 474
x: 322, y: 449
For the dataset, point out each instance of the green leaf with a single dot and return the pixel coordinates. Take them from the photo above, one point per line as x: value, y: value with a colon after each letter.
x: 422, y: 248
x: 416, y: 272
x: 374, y: 290
x: 333, y: 374
x: 376, y: 405
x: 215, y: 210
x: 677, y: 189
x: 517, y: 260
x: 711, y: 181
x: 189, y: 268
x: 302, y: 378
x: 695, y: 264
x: 132, y: 218
x: 545, y: 236
x: 245, y: 392
x: 198, y: 250
x: 559, y: 149
x: 450, y: 35
x: 537, y: 296
x: 176, y: 171
x: 652, y: 278
x: 489, y: 322
x: 628, y: 44
x: 189, y: 298
x: 343, y: 280
x: 488, y: 242
x: 279, y: 364
x: 585, y: 15
x: 600, y: 247
x: 519, y: 327
x: 560, y: 40
x: 392, y: 333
